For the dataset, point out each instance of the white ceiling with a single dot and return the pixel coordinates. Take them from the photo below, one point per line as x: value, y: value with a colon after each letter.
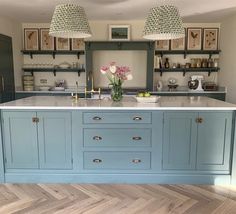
x: 191, y: 10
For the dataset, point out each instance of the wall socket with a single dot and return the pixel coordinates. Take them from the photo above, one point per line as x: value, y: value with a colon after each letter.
x: 43, y: 81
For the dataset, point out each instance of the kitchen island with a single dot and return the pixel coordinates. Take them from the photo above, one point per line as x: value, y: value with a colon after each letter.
x: 176, y: 140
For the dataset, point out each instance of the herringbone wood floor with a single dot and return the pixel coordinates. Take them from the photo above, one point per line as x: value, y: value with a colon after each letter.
x: 118, y: 199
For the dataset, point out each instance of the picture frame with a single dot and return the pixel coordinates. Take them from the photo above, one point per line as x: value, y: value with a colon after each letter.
x: 178, y: 44
x: 31, y: 38
x: 162, y: 45
x: 47, y: 42
x: 77, y: 44
x: 62, y: 44
x: 210, y: 38
x: 194, y: 39
x: 119, y: 32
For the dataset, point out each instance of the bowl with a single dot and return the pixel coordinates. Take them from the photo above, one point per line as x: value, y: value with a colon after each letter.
x: 151, y: 99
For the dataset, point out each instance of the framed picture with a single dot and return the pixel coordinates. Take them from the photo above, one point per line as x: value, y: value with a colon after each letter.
x: 46, y: 41
x: 194, y: 39
x: 178, y: 44
x: 162, y: 45
x: 62, y: 44
x: 78, y: 44
x: 119, y: 32
x: 210, y: 38
x: 31, y: 39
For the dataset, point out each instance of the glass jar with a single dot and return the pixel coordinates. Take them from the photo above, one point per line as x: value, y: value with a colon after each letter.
x: 116, y: 92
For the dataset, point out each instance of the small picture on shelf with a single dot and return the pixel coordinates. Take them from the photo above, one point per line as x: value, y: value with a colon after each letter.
x: 194, y: 39
x: 62, y: 44
x: 46, y: 41
x: 178, y: 44
x: 162, y: 45
x: 31, y: 39
x: 119, y: 32
x: 78, y: 44
x: 210, y: 38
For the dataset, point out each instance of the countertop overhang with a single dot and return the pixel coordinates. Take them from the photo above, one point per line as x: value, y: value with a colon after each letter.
x: 128, y: 103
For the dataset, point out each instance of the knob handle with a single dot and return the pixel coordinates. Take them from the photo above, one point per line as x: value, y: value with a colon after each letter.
x: 97, y: 118
x: 97, y: 138
x: 137, y: 138
x: 137, y: 118
x: 136, y: 161
x: 97, y: 160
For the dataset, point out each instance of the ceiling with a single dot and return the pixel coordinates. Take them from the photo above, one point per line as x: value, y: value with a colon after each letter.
x: 191, y: 10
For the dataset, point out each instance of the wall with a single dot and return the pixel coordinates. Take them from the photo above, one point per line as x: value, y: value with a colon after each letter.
x: 100, y: 32
x: 13, y: 29
x: 227, y: 76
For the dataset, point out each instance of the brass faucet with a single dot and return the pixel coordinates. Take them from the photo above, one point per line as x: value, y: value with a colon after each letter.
x: 76, y: 96
x: 92, y: 91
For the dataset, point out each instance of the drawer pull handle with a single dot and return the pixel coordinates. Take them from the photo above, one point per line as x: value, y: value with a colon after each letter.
x: 97, y: 160
x: 137, y: 118
x: 97, y: 118
x: 97, y: 138
x: 199, y: 120
x: 136, y: 161
x: 35, y: 120
x: 137, y: 138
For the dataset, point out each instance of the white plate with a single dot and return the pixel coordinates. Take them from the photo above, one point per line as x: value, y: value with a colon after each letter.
x: 151, y: 99
x: 58, y: 89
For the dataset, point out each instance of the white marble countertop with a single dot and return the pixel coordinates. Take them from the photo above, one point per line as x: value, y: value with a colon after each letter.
x: 128, y: 103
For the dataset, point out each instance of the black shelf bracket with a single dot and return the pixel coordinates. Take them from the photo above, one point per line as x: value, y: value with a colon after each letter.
x: 31, y: 55
x: 78, y: 55
x: 185, y: 54
x: 53, y: 55
x: 184, y: 72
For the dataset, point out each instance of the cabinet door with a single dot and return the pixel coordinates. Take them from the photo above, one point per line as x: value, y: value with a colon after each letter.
x: 20, y: 140
x: 180, y: 137
x: 214, y: 140
x: 54, y: 134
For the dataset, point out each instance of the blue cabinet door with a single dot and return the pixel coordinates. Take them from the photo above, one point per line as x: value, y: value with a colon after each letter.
x: 54, y: 134
x: 214, y: 141
x: 20, y: 140
x: 180, y: 138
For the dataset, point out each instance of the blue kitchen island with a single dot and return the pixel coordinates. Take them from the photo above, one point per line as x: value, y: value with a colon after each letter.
x: 176, y: 140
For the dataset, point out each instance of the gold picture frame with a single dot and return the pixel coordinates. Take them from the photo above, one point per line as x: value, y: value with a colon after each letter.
x: 178, y: 44
x: 47, y: 42
x: 162, y: 45
x: 77, y: 44
x: 62, y: 44
x: 31, y: 38
x: 210, y: 38
x: 194, y: 40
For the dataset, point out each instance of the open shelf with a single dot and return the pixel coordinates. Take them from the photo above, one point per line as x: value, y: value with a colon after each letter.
x: 54, y: 70
x: 53, y: 53
x: 184, y: 70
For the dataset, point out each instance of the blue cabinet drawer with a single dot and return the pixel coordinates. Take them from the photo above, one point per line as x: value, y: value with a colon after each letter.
x: 117, y: 118
x: 117, y: 137
x: 117, y: 160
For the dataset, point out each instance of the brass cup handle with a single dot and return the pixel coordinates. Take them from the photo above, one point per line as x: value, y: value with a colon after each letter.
x: 97, y: 138
x: 137, y: 118
x: 199, y: 120
x: 97, y: 160
x: 97, y: 118
x: 35, y: 120
x: 136, y: 161
x: 137, y: 138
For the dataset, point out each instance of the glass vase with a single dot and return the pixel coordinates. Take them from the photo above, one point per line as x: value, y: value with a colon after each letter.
x: 116, y: 92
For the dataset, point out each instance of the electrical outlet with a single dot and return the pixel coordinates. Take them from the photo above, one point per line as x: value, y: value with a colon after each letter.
x: 43, y: 81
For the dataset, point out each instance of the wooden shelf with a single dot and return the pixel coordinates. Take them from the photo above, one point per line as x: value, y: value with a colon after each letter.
x: 54, y: 70
x: 53, y: 53
x: 186, y: 52
x: 184, y: 70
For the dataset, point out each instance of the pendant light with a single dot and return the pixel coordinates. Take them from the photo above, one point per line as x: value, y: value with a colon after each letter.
x: 163, y: 23
x: 69, y: 21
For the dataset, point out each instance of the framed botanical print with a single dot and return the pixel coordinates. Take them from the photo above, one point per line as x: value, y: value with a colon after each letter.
x: 162, y: 45
x: 46, y: 41
x: 194, y: 39
x: 62, y: 44
x: 78, y: 44
x: 178, y: 44
x: 31, y: 39
x: 210, y: 38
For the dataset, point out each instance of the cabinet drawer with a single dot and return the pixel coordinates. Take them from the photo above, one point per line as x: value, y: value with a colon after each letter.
x: 117, y: 118
x: 117, y: 137
x: 117, y: 160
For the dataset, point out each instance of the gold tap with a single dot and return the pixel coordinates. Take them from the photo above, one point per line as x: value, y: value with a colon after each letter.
x: 76, y: 96
x: 92, y: 91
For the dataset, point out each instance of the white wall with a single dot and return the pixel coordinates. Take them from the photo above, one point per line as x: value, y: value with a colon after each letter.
x: 13, y: 29
x: 100, y: 32
x: 227, y: 75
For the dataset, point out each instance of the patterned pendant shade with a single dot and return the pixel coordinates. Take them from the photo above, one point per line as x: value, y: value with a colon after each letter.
x: 163, y: 22
x: 69, y: 21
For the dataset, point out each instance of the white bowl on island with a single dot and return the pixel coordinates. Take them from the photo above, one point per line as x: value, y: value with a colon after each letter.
x: 150, y: 99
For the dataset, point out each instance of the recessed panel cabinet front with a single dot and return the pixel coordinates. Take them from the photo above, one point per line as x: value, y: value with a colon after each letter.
x: 20, y: 140
x: 54, y: 135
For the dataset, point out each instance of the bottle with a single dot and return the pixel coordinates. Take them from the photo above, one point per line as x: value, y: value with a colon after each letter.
x: 167, y: 64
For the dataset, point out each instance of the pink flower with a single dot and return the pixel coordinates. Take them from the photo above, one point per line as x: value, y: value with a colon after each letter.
x: 112, y: 63
x: 104, y: 69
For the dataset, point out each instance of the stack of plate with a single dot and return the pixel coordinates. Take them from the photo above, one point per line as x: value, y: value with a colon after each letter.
x: 28, y: 82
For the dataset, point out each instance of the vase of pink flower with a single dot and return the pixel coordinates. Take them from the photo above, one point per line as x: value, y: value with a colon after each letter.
x: 116, y: 76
